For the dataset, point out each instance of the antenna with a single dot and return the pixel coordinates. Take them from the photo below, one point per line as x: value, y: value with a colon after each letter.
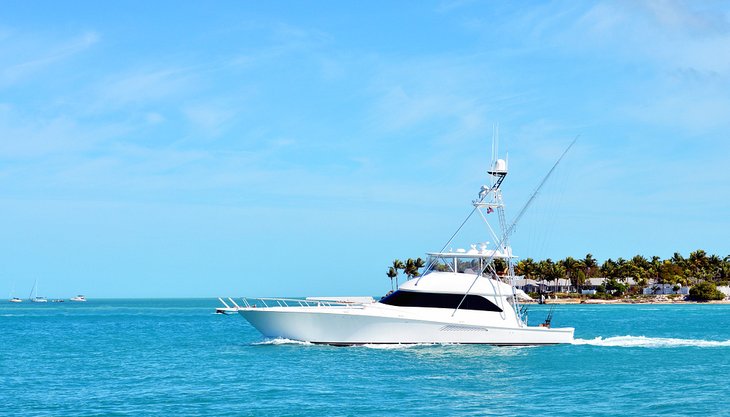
x: 494, y: 149
x: 496, y: 142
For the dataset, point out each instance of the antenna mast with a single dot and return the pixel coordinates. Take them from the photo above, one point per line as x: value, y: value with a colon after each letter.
x: 499, y: 170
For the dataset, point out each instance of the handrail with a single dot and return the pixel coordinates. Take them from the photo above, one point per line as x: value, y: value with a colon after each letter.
x: 249, y: 302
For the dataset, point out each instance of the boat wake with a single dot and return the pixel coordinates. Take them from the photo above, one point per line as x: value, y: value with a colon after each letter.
x: 388, y: 346
x: 650, y: 342
x: 280, y: 341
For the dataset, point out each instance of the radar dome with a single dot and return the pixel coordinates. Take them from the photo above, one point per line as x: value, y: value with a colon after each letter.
x: 500, y: 167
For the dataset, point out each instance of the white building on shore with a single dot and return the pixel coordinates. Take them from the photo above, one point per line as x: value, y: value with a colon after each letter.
x: 666, y: 289
x: 543, y: 286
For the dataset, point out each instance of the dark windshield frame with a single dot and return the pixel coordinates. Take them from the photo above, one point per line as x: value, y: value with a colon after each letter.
x: 402, y: 298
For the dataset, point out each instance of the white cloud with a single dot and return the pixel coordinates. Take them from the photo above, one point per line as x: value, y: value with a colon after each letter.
x: 33, y: 56
x: 25, y: 136
x: 686, y: 16
x: 399, y: 109
x: 670, y: 34
x: 144, y: 86
x: 410, y: 93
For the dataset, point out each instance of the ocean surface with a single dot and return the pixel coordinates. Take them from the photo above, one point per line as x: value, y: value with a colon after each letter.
x: 175, y: 357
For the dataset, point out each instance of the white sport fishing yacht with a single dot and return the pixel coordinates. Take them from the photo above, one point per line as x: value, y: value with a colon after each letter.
x: 463, y: 296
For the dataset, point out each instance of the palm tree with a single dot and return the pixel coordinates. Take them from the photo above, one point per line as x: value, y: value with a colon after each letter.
x: 527, y: 267
x: 410, y: 268
x: 622, y: 269
x: 609, y: 268
x: 418, y: 264
x: 590, y: 264
x: 698, y: 264
x: 715, y: 266
x: 725, y: 268
x: 656, y: 266
x: 551, y: 271
x: 397, y: 265
x: 679, y: 261
x: 570, y: 265
x: 391, y: 274
x: 642, y: 266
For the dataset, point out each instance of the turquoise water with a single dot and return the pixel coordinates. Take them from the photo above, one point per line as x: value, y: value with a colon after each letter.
x: 155, y: 357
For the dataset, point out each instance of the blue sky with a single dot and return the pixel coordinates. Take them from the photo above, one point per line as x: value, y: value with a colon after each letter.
x: 296, y: 148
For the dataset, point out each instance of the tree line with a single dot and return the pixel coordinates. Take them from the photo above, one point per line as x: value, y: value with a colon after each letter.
x: 699, y: 266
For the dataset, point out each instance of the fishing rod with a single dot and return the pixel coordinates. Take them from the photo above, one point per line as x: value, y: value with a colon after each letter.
x: 549, y: 317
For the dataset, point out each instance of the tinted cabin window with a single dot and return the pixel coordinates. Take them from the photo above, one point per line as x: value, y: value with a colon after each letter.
x: 436, y: 300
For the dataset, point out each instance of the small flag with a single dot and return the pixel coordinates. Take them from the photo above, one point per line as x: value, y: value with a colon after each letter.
x: 489, y: 210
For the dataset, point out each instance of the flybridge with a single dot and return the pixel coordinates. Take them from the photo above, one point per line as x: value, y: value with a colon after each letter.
x: 459, y: 261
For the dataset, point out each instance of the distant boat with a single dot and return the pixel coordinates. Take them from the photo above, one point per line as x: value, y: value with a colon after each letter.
x: 79, y: 298
x: 13, y: 298
x: 35, y: 298
x: 57, y: 300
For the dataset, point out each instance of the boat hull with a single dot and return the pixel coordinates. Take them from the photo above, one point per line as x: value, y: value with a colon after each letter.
x: 353, y: 326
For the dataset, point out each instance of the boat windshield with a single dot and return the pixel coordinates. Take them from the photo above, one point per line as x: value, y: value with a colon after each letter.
x: 439, y: 300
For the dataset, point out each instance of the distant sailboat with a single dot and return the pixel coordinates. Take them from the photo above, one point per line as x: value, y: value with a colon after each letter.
x: 35, y: 298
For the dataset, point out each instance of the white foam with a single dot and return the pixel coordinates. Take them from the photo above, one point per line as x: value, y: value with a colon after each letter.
x: 650, y: 342
x: 281, y: 341
x: 396, y: 345
x: 616, y: 341
x: 453, y: 347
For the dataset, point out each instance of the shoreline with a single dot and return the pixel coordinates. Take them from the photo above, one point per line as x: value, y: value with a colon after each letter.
x: 626, y: 301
